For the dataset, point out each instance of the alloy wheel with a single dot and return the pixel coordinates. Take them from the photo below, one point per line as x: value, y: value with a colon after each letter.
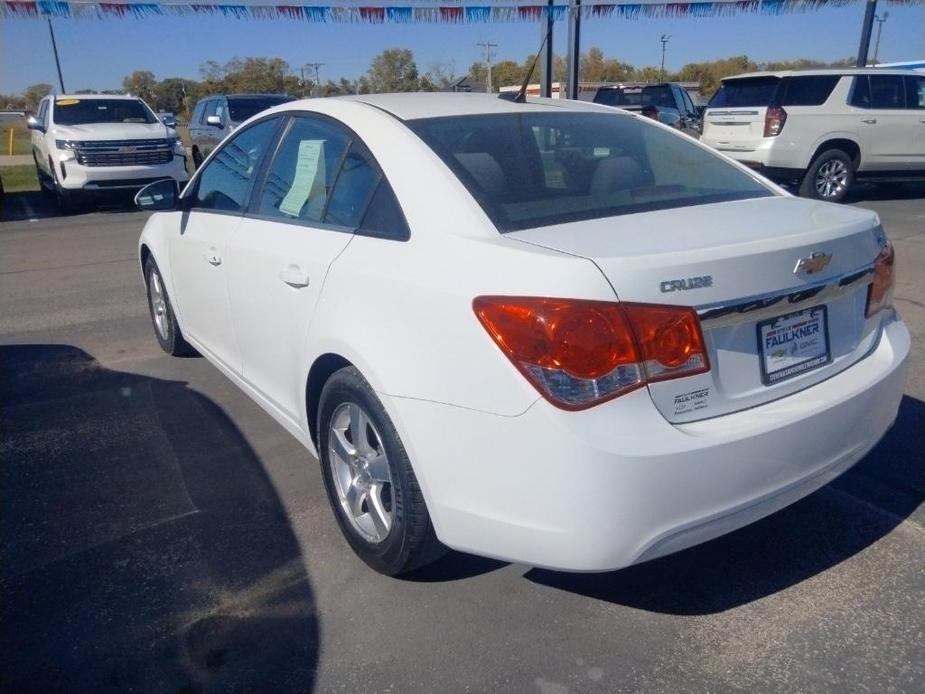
x: 831, y: 179
x: 158, y: 304
x: 361, y: 472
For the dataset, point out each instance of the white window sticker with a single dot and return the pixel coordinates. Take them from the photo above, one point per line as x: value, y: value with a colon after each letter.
x: 306, y: 181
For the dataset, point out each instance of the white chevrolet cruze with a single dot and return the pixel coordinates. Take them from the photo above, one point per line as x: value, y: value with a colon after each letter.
x: 548, y: 332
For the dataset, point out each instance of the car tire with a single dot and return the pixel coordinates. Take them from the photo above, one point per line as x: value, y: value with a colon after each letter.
x: 197, y: 159
x: 46, y: 183
x: 164, y: 321
x: 370, y: 483
x: 829, y: 176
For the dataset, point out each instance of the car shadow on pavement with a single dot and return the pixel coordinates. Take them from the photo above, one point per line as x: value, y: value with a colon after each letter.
x: 863, y: 192
x: 142, y: 546
x: 780, y: 551
x: 35, y: 205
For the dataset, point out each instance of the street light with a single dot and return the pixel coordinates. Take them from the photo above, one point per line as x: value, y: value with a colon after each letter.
x: 880, y: 20
x: 665, y: 38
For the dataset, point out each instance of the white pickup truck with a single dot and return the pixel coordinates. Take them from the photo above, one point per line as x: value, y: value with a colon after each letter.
x: 100, y: 142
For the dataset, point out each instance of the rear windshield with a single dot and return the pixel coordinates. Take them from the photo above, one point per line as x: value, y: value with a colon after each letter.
x: 540, y: 168
x: 751, y: 91
x: 242, y: 109
x: 87, y: 111
x: 636, y: 96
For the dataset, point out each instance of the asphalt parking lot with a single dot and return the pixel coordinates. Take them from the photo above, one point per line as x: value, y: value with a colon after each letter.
x: 161, y: 533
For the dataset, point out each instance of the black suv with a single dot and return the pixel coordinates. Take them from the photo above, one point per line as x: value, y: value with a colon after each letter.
x: 666, y: 102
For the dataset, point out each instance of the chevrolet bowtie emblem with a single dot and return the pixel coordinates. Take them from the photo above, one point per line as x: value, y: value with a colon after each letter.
x: 816, y: 262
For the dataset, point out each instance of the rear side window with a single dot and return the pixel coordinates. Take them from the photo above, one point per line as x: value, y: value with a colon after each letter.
x: 537, y: 168
x: 809, y: 90
x: 302, y: 174
x: 750, y: 91
x: 887, y: 91
x: 915, y: 92
x: 355, y: 184
x: 384, y: 218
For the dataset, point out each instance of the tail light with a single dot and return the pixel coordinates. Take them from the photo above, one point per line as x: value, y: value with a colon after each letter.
x: 581, y: 353
x: 650, y: 112
x: 880, y: 292
x: 774, y: 120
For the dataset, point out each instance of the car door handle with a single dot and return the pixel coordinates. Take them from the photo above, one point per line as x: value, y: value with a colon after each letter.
x: 294, y: 276
x: 213, y: 256
x: 869, y: 121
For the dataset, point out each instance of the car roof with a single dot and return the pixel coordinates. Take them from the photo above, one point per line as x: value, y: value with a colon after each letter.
x: 825, y: 71
x: 414, y: 105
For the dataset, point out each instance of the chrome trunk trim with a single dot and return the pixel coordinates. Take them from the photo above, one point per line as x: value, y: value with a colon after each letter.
x: 753, y: 308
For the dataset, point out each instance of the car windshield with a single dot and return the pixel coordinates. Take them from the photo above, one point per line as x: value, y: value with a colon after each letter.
x: 636, y: 96
x: 242, y: 109
x: 89, y: 111
x: 540, y: 168
x: 750, y: 91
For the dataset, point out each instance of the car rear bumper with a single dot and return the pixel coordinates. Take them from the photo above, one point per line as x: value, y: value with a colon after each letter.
x: 618, y: 484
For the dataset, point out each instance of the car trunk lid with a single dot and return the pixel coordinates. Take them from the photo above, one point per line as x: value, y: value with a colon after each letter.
x: 737, y: 265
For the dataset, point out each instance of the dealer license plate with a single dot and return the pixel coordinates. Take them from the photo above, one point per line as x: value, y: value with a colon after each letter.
x: 793, y: 344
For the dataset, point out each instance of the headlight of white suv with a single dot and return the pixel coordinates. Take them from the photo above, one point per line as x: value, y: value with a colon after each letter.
x: 68, y: 149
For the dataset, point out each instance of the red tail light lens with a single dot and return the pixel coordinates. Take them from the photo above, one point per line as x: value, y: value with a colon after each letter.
x: 581, y: 353
x: 880, y: 293
x: 650, y: 112
x: 774, y: 120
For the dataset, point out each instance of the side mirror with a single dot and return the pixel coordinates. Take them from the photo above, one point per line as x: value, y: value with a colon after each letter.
x: 215, y: 121
x: 160, y: 195
x: 169, y: 121
x: 34, y: 123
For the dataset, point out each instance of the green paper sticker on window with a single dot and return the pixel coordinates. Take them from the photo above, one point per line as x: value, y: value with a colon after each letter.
x: 306, y: 183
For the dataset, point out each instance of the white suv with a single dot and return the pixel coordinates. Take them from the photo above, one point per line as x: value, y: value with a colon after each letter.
x: 822, y: 129
x: 95, y: 142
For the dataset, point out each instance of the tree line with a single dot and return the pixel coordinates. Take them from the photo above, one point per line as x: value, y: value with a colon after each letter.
x: 395, y: 70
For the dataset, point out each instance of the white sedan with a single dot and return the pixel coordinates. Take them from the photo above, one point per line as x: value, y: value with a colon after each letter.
x: 548, y: 332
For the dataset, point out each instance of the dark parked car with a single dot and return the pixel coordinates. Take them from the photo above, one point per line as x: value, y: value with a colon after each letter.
x: 666, y: 102
x: 219, y: 114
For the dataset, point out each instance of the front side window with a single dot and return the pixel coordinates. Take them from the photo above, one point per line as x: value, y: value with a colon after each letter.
x: 302, y: 175
x: 540, y: 168
x: 42, y: 115
x: 887, y: 91
x: 197, y: 113
x: 808, y: 90
x: 75, y: 111
x: 225, y: 182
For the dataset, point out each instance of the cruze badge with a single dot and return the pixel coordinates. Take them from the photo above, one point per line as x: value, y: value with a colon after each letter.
x: 683, y: 285
x: 816, y: 262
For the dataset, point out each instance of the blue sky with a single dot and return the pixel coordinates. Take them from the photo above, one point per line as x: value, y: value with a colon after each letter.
x: 98, y: 53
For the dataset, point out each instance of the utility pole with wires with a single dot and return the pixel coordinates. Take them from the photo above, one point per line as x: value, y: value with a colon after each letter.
x: 880, y: 20
x: 316, y: 67
x: 487, y: 51
x: 665, y: 38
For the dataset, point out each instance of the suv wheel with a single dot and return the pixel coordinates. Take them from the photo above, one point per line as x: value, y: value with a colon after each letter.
x: 197, y: 158
x: 368, y: 477
x: 46, y: 184
x: 829, y: 176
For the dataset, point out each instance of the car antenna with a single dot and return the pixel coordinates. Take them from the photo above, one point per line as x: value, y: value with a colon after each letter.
x: 521, y: 96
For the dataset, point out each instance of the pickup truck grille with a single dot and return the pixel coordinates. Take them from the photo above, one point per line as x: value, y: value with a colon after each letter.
x: 123, y: 152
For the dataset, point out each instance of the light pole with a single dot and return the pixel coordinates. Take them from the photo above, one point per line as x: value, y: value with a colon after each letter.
x: 880, y: 20
x: 665, y: 38
x: 314, y: 66
x: 54, y: 48
x: 487, y: 46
